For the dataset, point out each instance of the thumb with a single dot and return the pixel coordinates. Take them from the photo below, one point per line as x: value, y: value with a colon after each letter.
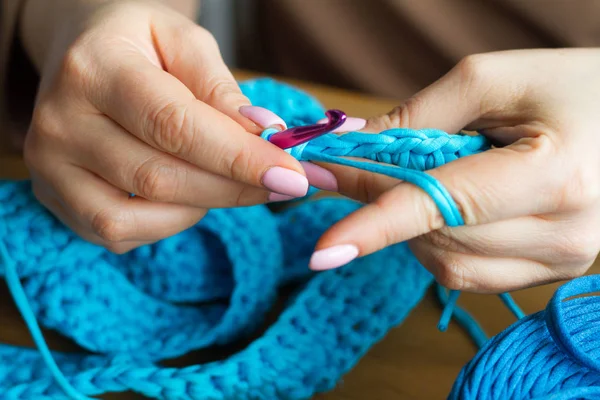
x: 192, y: 55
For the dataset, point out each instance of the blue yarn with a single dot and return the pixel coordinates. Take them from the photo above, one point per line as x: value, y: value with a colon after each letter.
x: 215, y: 282
x: 552, y: 354
x: 509, y: 302
x: 332, y: 322
x: 462, y: 317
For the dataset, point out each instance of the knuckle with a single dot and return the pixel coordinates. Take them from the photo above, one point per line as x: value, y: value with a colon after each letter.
x: 220, y: 89
x: 156, y: 181
x: 473, y: 72
x: 238, y: 166
x: 75, y: 64
x: 171, y: 128
x: 450, y: 273
x: 45, y: 122
x: 580, y: 190
x: 473, y: 68
x: 111, y: 225
x: 580, y: 246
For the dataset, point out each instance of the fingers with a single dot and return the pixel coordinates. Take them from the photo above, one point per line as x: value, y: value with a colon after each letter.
x: 192, y: 55
x: 126, y: 163
x: 565, y: 243
x: 108, y: 216
x: 162, y: 112
x: 505, y: 183
x: 45, y: 197
x: 473, y: 273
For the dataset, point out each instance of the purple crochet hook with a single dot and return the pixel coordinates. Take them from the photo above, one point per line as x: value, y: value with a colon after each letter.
x: 301, y: 134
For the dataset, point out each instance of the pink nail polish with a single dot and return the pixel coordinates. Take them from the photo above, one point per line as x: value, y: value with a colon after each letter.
x: 263, y: 117
x: 285, y: 181
x: 351, y: 124
x: 275, y: 197
x: 333, y: 257
x: 320, y: 177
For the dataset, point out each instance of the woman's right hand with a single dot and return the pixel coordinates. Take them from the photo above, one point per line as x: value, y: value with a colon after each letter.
x: 135, y: 99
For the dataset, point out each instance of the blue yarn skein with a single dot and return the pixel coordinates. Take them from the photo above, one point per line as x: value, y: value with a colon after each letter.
x: 553, y: 354
x: 127, y: 309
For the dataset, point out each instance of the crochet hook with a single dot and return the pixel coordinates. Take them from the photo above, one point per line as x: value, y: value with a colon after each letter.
x: 301, y: 134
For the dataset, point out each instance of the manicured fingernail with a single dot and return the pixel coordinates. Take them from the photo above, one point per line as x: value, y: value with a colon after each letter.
x: 263, y: 117
x: 275, y: 197
x: 333, y: 257
x: 352, y: 124
x: 320, y: 177
x: 285, y: 181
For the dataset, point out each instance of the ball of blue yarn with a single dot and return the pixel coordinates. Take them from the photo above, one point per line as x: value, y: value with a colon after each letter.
x: 553, y: 354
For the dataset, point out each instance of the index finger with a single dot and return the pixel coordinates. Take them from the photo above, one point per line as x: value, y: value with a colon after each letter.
x: 161, y: 111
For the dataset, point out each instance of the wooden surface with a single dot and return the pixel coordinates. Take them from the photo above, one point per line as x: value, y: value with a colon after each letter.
x: 414, y: 361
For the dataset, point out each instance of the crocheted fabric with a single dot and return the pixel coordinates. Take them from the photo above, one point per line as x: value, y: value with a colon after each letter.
x: 126, y: 309
x: 209, y: 285
x: 215, y: 283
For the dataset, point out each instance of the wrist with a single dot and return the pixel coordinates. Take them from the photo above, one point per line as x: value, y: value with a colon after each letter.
x: 43, y: 22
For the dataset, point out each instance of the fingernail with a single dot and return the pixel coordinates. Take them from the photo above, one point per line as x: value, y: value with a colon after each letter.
x: 333, y: 257
x: 352, y: 124
x: 320, y: 177
x: 275, y: 197
x: 285, y: 181
x: 263, y: 117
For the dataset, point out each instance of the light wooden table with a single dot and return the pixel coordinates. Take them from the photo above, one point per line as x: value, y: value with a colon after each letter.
x: 414, y: 361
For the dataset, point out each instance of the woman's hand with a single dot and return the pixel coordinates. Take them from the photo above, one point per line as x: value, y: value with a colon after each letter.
x: 135, y: 98
x: 531, y: 207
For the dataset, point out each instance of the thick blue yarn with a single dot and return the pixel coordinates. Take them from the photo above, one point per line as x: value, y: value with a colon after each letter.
x: 215, y: 283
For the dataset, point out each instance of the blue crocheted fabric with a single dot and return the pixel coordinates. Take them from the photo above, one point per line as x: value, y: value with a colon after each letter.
x: 209, y: 285
x: 216, y: 282
x: 130, y: 310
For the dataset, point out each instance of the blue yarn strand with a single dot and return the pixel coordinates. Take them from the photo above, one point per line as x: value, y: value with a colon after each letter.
x: 132, y: 311
x: 448, y: 310
x: 510, y: 303
x: 462, y: 317
x: 20, y: 299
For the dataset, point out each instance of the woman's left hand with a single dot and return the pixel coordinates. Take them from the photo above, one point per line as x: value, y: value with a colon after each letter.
x: 531, y: 206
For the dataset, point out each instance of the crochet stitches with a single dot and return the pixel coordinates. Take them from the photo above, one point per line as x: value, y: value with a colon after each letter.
x: 215, y: 283
x: 126, y: 308
x: 322, y: 333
